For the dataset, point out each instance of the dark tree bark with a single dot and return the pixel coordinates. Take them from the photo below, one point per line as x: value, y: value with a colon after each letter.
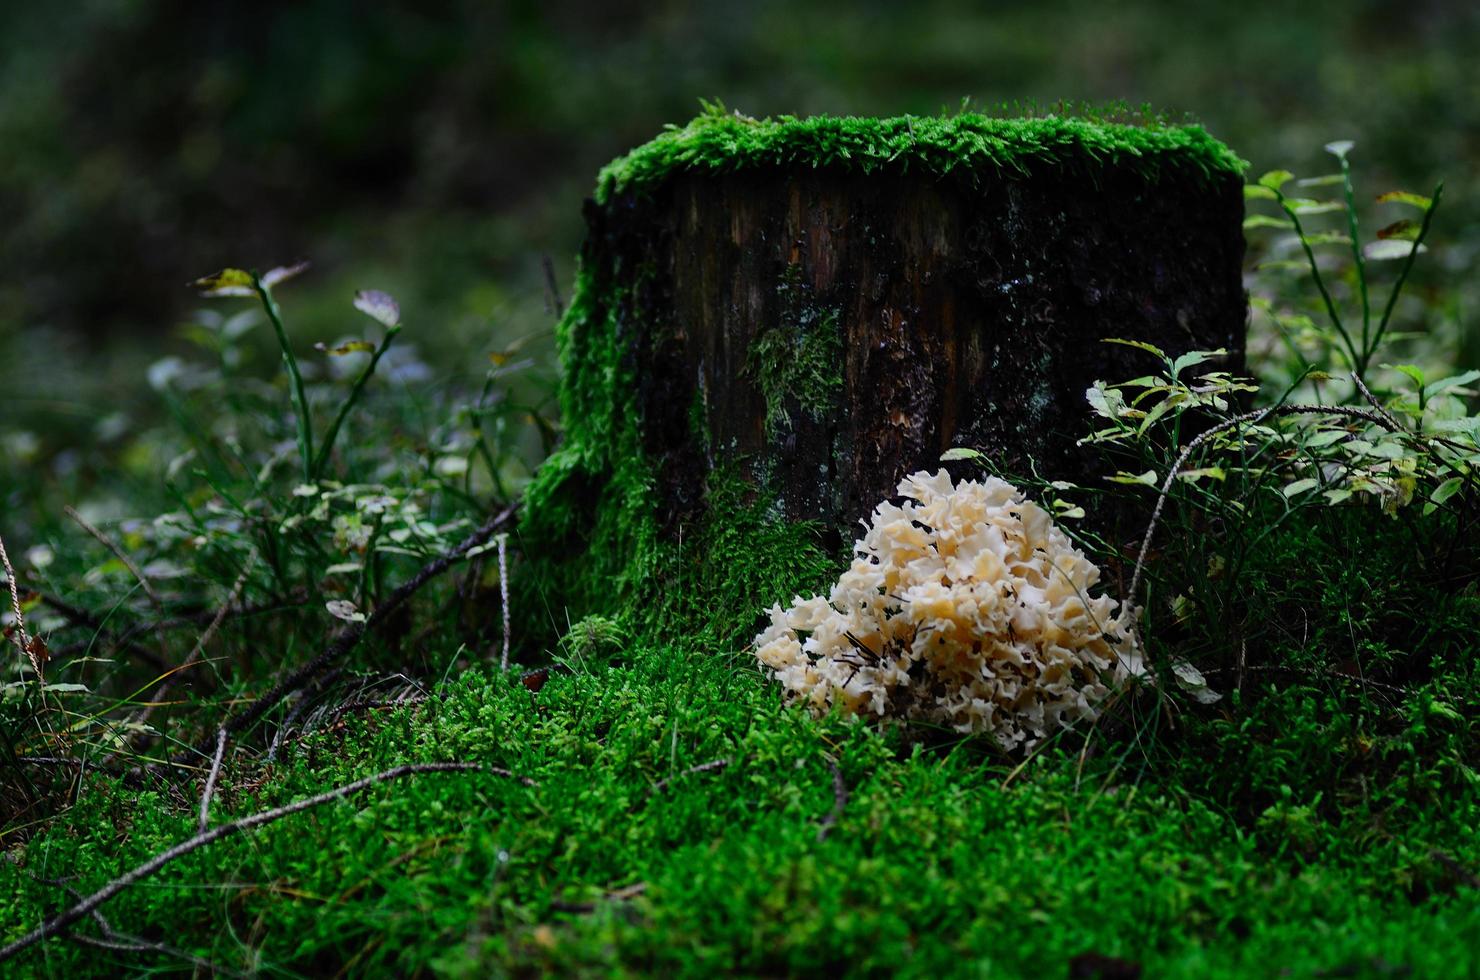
x: 829, y: 332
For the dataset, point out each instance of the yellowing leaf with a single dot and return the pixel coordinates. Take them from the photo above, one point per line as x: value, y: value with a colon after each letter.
x: 227, y: 282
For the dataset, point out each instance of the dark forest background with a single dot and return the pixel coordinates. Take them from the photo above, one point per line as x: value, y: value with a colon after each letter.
x: 440, y: 149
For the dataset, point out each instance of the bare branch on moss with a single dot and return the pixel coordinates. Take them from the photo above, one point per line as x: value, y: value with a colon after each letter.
x: 840, y: 800
x: 64, y: 921
x: 210, y: 788
x: 503, y: 588
x: 710, y: 766
x: 349, y: 638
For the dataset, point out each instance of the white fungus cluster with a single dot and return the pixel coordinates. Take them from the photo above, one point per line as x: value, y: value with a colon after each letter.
x: 967, y: 607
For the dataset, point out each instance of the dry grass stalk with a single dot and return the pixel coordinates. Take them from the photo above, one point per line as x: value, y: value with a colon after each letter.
x: 22, y: 639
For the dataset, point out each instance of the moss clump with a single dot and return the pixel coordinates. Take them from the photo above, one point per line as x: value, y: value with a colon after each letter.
x: 719, y: 142
x: 798, y: 360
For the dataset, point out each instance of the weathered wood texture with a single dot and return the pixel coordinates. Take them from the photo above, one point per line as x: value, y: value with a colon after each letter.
x: 889, y: 317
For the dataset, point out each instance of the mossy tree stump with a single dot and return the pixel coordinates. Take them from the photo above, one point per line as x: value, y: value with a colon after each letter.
x: 831, y: 305
x: 821, y: 306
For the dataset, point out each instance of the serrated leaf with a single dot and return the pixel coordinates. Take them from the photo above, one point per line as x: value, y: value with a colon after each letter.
x: 1390, y: 248
x: 378, y: 306
x: 283, y: 273
x: 227, y: 282
x: 1267, y: 221
x: 1138, y: 344
x: 1404, y: 197
x: 1299, y: 487
x: 1275, y: 179
x: 348, y: 347
x: 1195, y: 357
x: 1340, y: 148
x: 1405, y: 230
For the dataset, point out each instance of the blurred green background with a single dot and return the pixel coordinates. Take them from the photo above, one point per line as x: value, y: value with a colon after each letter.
x: 440, y: 149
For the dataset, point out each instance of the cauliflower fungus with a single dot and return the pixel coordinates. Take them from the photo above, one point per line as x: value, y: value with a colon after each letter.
x: 967, y: 606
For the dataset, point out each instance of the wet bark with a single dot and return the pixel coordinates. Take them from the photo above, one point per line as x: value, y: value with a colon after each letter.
x: 828, y: 332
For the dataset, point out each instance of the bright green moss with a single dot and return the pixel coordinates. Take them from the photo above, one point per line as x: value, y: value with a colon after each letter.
x: 719, y: 142
x: 798, y: 359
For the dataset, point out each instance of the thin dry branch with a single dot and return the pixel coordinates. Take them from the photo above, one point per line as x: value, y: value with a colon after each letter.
x: 349, y: 638
x: 210, y: 788
x: 65, y: 920
x: 709, y: 766
x: 1250, y: 418
x: 123, y: 556
x: 840, y: 801
x: 200, y: 645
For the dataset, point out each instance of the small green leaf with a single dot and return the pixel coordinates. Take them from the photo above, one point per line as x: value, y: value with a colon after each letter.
x: 1444, y: 384
x: 961, y: 452
x: 1390, y: 248
x: 1211, y: 472
x: 1299, y: 486
x: 1327, y: 238
x: 378, y: 306
x: 1412, y: 371
x: 1267, y: 221
x: 1192, y: 358
x: 1303, y: 206
x: 1340, y: 148
x: 1276, y: 179
x: 1403, y: 197
x: 1325, y: 180
x: 1258, y: 192
x: 1145, y: 479
x: 1447, y: 489
x: 227, y: 282
x: 1329, y: 437
x: 348, y: 347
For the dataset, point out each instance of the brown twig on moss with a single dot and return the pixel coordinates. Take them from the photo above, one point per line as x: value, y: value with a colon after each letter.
x: 65, y: 920
x: 710, y: 766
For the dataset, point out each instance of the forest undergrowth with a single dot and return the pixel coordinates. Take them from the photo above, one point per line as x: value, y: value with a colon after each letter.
x: 274, y: 706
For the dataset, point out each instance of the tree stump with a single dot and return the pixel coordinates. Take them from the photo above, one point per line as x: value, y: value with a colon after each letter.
x: 831, y: 304
x: 774, y: 321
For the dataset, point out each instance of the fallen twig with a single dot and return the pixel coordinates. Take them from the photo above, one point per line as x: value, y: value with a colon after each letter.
x: 503, y: 589
x: 1254, y: 418
x: 210, y: 788
x: 65, y: 920
x: 840, y: 800
x: 709, y: 766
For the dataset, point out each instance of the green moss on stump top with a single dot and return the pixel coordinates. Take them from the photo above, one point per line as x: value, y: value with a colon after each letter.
x: 718, y: 142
